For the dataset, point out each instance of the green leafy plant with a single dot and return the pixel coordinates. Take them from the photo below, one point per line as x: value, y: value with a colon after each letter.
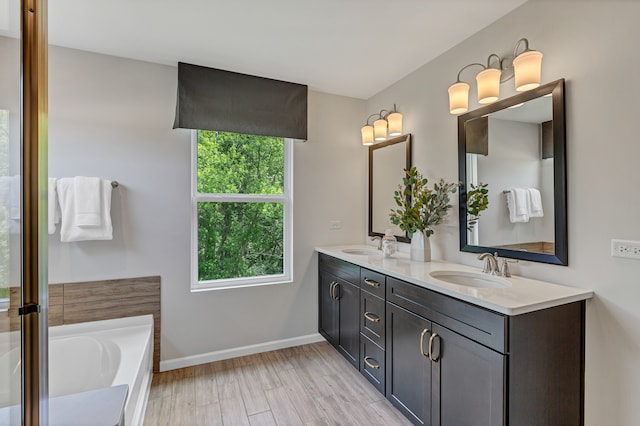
x: 477, y: 201
x: 420, y: 208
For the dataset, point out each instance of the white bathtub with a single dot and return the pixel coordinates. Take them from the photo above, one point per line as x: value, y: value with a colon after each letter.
x: 90, y: 356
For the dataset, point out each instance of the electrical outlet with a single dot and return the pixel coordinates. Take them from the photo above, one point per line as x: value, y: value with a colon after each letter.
x: 625, y: 248
x: 335, y: 224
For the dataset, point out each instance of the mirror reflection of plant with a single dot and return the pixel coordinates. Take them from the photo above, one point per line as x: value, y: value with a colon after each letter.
x: 477, y: 201
x: 421, y: 208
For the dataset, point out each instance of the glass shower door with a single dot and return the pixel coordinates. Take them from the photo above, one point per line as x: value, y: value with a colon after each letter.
x: 10, y: 215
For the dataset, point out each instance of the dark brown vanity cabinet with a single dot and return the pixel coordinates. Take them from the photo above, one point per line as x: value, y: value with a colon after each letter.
x: 442, y: 361
x: 453, y: 363
x: 437, y: 377
x: 339, y: 312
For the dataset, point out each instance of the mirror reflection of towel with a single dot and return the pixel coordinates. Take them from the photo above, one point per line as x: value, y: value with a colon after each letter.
x: 517, y: 202
x: 535, y: 203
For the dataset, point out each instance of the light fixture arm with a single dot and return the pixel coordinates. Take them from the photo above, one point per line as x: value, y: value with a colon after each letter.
x: 383, y: 114
x: 468, y: 66
x: 376, y: 114
x: 526, y: 47
x: 503, y: 64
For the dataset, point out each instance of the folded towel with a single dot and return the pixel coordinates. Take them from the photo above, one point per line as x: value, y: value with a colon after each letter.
x: 69, y: 229
x: 535, y: 203
x: 517, y: 202
x: 86, y: 192
x: 53, y: 208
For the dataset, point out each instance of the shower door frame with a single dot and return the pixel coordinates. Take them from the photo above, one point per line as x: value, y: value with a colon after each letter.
x: 34, y: 292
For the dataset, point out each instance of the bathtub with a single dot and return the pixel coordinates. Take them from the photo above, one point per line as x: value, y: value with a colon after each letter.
x: 89, y: 356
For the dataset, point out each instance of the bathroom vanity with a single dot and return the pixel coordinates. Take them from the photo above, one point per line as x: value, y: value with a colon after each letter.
x: 448, y: 346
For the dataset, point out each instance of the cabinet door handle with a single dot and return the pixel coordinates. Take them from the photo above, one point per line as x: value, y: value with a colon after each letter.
x: 336, y: 290
x: 372, y: 283
x: 431, y: 339
x: 424, y: 332
x: 370, y: 364
x: 332, y: 289
x: 372, y: 317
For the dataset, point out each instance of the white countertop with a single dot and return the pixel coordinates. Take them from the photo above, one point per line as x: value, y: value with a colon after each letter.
x: 524, y: 295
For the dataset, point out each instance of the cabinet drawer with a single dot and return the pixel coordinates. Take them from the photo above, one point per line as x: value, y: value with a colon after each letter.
x: 373, y: 282
x: 372, y: 317
x: 341, y: 269
x: 476, y: 323
x: 372, y: 362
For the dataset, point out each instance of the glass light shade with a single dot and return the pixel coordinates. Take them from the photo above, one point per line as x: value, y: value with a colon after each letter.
x: 527, y: 67
x: 488, y: 85
x: 395, y: 124
x: 380, y: 129
x: 458, y: 98
x: 367, y: 135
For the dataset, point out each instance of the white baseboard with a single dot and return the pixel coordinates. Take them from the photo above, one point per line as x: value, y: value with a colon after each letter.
x: 189, y: 361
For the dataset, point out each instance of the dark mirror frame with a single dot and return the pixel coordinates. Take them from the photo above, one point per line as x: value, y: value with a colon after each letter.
x: 556, y: 89
x: 404, y: 138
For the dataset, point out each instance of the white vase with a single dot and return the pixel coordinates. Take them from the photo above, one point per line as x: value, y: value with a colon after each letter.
x: 420, y: 247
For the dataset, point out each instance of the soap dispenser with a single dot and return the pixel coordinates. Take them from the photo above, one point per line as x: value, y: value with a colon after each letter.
x: 389, y: 244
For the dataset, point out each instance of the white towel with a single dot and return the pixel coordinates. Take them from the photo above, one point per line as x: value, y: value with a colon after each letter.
x: 517, y: 202
x: 535, y: 203
x: 86, y: 192
x: 69, y: 230
x: 53, y: 216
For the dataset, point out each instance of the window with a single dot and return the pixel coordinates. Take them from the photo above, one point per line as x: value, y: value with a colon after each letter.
x: 241, y: 210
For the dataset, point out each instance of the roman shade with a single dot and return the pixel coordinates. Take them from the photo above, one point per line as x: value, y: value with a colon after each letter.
x: 213, y: 99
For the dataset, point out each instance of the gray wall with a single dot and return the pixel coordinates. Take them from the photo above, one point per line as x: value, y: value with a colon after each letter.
x: 593, y: 44
x: 112, y: 117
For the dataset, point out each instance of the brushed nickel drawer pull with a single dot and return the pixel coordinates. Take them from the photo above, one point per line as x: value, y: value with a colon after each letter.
x: 372, y: 283
x: 332, y: 289
x: 369, y: 364
x: 336, y: 290
x: 424, y: 332
x: 372, y: 317
x: 431, y: 339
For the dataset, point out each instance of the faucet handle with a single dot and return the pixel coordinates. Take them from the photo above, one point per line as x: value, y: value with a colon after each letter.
x: 504, y: 268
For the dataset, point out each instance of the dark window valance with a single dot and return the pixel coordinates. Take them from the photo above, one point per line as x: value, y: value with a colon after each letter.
x: 213, y: 99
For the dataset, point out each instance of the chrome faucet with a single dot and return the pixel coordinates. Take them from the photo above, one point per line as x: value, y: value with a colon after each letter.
x: 495, y: 265
x: 490, y: 264
x: 379, y: 238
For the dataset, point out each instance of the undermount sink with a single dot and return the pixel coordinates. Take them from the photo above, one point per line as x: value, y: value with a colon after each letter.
x: 362, y: 252
x: 471, y: 279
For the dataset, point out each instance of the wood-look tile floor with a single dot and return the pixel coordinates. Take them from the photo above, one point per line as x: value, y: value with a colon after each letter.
x: 304, y: 385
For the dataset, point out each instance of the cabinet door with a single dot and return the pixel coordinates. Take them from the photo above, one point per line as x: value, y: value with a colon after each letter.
x: 408, y: 381
x: 349, y: 320
x: 328, y: 320
x: 468, y: 381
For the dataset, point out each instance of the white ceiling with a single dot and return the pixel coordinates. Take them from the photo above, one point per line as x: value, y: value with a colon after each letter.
x: 347, y: 47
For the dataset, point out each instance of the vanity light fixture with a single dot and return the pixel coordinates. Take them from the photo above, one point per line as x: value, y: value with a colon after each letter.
x: 525, y: 66
x: 390, y: 121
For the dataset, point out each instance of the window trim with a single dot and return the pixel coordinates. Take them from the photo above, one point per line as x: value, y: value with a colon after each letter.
x: 285, y: 198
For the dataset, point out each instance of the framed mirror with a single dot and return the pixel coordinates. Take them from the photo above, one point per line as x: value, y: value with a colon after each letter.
x: 387, y: 162
x: 517, y: 147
